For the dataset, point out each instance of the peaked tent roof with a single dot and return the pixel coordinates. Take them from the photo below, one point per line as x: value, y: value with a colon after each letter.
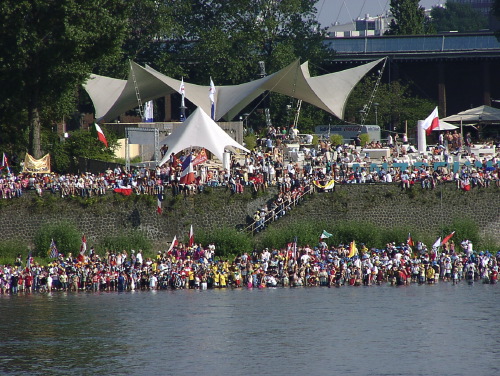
x: 444, y: 126
x: 475, y: 115
x: 199, y: 130
x: 112, y: 97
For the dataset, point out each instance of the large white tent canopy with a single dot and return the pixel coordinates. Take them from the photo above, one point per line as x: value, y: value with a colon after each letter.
x: 112, y: 97
x: 199, y: 130
x: 481, y: 114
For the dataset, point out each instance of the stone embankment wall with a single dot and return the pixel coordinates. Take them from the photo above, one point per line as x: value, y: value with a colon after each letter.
x: 387, y: 205
x: 380, y: 204
x: 115, y: 214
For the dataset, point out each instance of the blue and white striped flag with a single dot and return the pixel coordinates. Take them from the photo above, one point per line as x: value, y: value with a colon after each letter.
x: 54, y: 253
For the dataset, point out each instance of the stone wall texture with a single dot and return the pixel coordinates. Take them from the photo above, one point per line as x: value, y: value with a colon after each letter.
x: 388, y: 206
x: 381, y: 204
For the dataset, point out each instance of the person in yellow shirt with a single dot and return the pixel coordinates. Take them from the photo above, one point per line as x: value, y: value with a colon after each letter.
x: 216, y: 278
x: 430, y: 274
x: 222, y: 280
x: 191, y: 276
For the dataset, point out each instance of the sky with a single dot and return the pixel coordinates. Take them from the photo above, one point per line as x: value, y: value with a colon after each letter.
x: 344, y: 11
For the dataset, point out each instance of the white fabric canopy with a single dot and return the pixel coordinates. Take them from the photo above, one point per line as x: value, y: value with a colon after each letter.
x: 476, y: 115
x: 112, y: 97
x: 444, y: 126
x: 199, y: 130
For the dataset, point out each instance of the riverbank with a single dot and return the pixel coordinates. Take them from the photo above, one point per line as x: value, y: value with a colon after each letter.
x: 197, y: 268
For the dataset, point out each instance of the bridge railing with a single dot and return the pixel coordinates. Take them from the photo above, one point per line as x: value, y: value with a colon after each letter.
x: 274, y: 214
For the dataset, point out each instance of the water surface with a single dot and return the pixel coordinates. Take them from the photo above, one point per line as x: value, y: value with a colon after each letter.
x: 379, y: 330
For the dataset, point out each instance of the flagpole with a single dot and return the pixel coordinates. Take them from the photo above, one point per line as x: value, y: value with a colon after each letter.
x: 441, y: 209
x: 183, y: 105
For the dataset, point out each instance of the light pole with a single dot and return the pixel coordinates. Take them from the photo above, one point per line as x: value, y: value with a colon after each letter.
x: 376, y: 113
x: 362, y: 113
x: 245, y: 121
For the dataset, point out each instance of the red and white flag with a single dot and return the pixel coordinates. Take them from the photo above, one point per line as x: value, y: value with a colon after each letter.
x: 409, y: 241
x: 100, y: 135
x: 191, y: 236
x: 83, y: 247
x: 445, y: 240
x: 5, y: 163
x: 174, y: 244
x: 187, y: 173
x: 200, y: 158
x: 431, y: 122
x: 159, y: 210
x: 175, y: 161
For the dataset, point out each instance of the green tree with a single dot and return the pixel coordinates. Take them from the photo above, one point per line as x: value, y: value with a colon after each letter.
x: 459, y: 17
x: 47, y: 49
x: 227, y: 39
x: 409, y: 18
x: 397, y: 104
x: 80, y: 143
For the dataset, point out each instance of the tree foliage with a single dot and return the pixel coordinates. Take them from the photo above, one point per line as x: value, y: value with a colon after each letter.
x: 80, y: 143
x: 397, y: 104
x: 47, y: 49
x: 43, y: 62
x: 459, y: 17
x: 227, y: 39
x: 409, y: 18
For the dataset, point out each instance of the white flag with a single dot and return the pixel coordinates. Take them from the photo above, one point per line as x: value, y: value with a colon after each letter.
x: 211, y: 95
x: 437, y: 243
x: 182, y: 91
x: 148, y: 112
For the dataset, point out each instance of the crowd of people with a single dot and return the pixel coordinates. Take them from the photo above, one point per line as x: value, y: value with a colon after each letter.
x: 270, y: 164
x: 197, y: 267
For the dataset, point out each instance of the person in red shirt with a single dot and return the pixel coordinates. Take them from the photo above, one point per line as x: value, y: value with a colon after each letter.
x: 28, y: 282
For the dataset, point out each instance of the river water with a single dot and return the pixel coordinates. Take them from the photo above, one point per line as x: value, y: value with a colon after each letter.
x: 379, y: 330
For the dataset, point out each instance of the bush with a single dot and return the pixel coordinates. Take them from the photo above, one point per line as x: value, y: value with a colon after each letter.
x: 398, y: 235
x: 361, y: 232
x: 228, y: 241
x: 315, y: 141
x: 65, y: 235
x: 133, y: 239
x: 336, y: 139
x: 9, y: 249
x: 488, y: 244
x: 365, y: 138
x: 250, y: 141
x: 465, y: 228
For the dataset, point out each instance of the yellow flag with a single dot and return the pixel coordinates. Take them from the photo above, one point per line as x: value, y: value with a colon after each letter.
x: 352, y: 249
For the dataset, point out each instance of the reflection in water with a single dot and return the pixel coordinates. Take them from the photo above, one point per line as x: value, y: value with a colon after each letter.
x: 416, y: 330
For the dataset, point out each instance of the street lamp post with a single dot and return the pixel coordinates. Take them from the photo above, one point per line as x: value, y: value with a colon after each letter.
x: 376, y: 113
x: 362, y: 113
x: 245, y: 120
